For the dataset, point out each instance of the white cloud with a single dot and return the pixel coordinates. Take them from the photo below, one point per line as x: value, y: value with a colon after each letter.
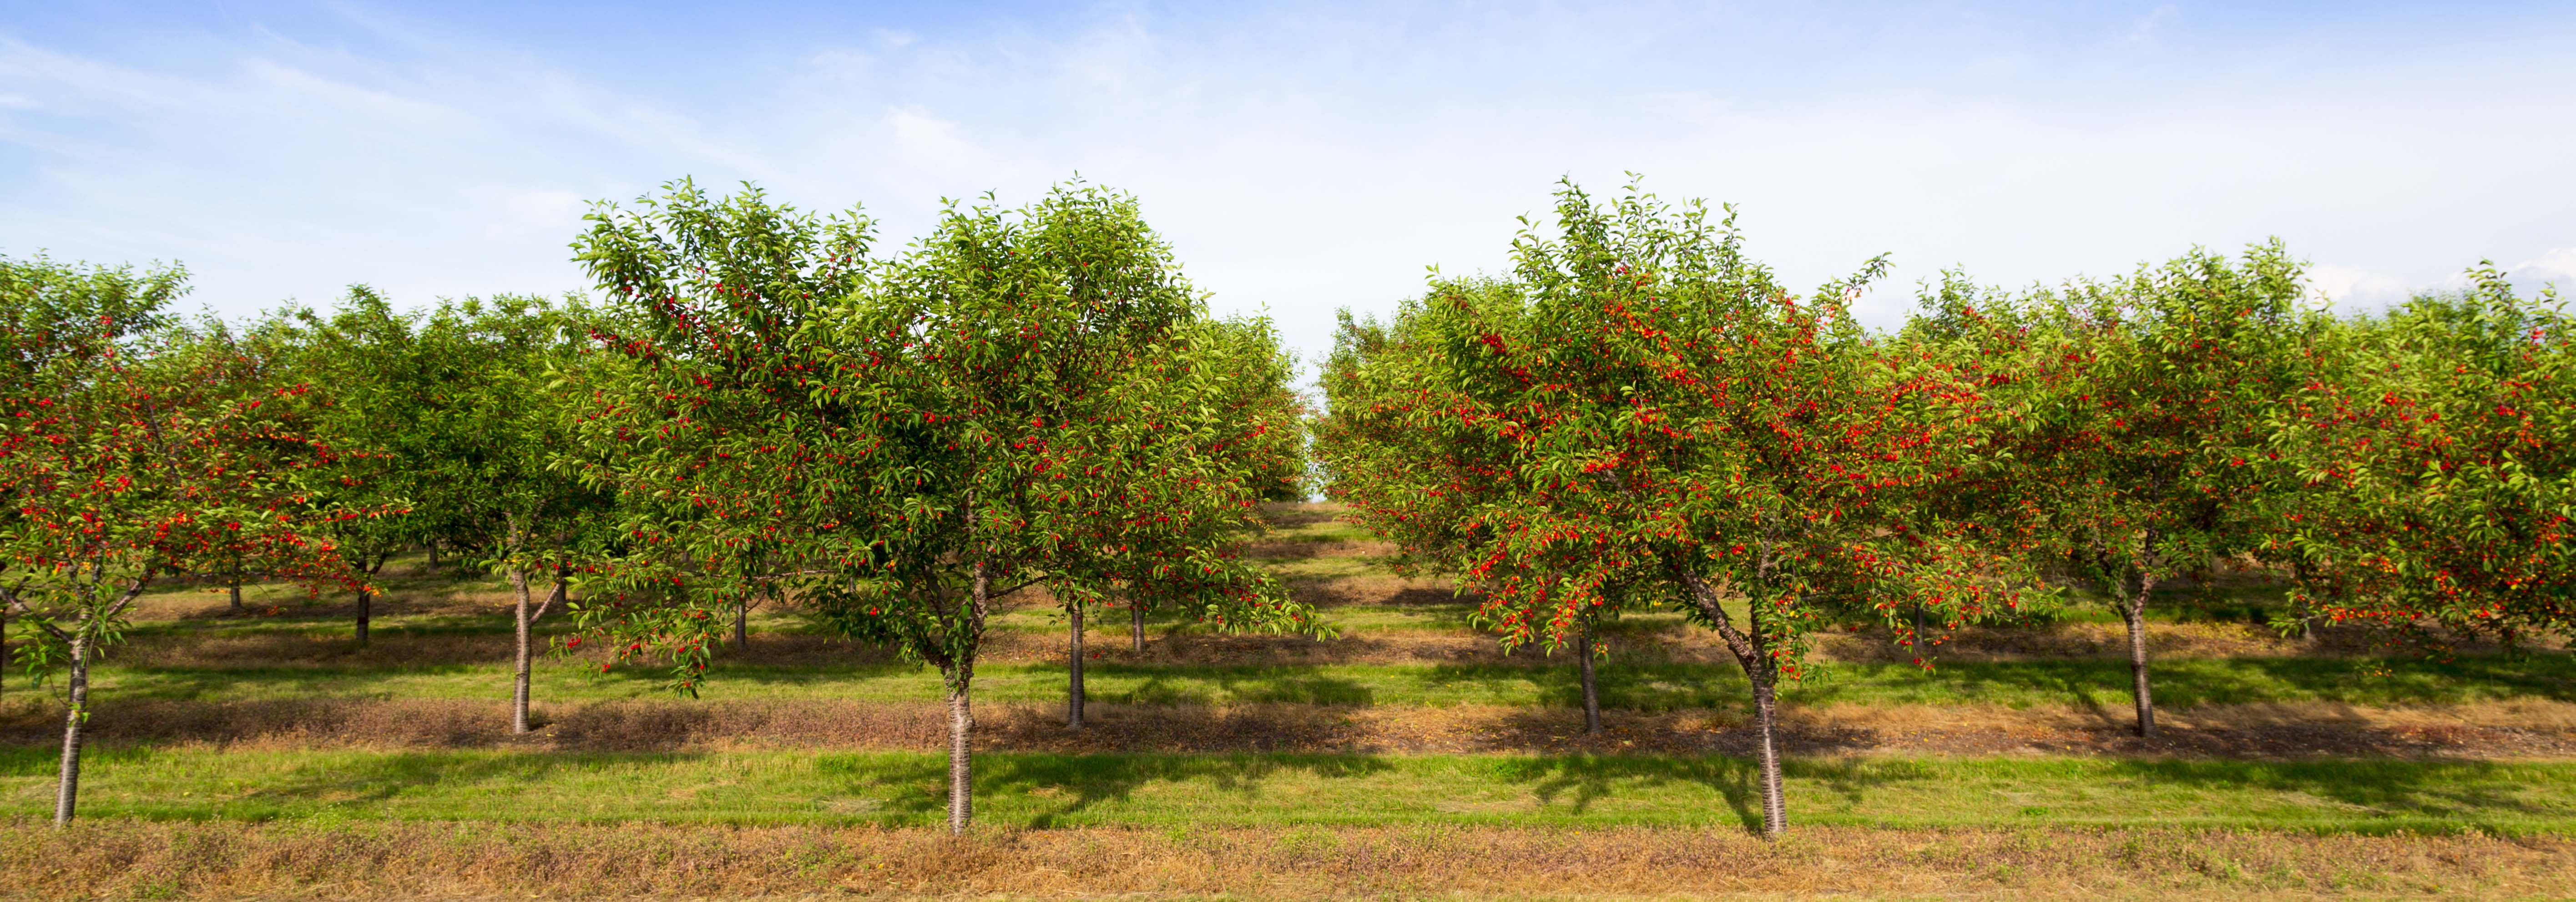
x: 2353, y: 288
x: 933, y: 141
x: 540, y: 215
x: 2556, y: 267
x: 1302, y: 163
x: 312, y: 96
x: 2146, y: 28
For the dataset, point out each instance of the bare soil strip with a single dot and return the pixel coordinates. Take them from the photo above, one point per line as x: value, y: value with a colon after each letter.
x: 223, y: 860
x: 2526, y: 729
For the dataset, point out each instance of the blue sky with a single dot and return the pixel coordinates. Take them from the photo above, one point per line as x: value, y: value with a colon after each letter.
x: 1301, y: 157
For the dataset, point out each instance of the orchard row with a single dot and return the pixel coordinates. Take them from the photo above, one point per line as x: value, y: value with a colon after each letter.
x: 758, y: 405
x: 1638, y: 414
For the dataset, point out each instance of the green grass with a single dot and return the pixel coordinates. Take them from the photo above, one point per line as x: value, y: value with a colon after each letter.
x: 1636, y: 686
x: 1041, y: 790
x: 1306, y: 569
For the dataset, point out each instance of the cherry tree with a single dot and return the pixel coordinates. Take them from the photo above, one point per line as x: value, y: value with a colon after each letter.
x: 387, y: 389
x: 1641, y: 411
x: 898, y: 444
x: 1420, y: 488
x: 2422, y: 477
x: 131, y: 448
x: 2126, y: 414
x: 505, y: 488
x: 1222, y: 393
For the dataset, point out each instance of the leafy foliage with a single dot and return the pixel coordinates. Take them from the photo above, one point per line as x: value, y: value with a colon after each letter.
x: 1643, y: 413
x: 133, y: 447
x: 899, y: 443
x: 2426, y: 471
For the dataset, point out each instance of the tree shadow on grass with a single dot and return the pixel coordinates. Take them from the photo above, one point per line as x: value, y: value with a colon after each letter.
x: 1580, y: 781
x: 1180, y: 729
x: 2184, y: 682
x: 1043, y: 791
x: 2485, y: 795
x: 1633, y: 686
x: 1201, y: 686
x: 1560, y: 731
x: 377, y: 778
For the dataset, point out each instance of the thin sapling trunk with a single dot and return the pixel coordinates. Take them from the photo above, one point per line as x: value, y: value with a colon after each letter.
x: 2133, y: 611
x: 1591, y: 689
x: 960, y: 674
x: 519, y: 680
x: 81, y: 645
x: 1751, y: 654
x: 1136, y: 625
x: 1073, y: 689
x: 961, y: 737
x: 367, y: 596
x: 232, y: 580
x: 67, y: 780
x: 1775, y: 809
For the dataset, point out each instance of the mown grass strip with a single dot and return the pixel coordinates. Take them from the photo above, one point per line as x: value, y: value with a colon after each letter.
x: 1630, y: 686
x: 1141, y: 790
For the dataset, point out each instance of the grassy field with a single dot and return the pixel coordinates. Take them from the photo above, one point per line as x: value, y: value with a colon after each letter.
x: 1631, y: 685
x: 899, y: 789
x: 228, y: 744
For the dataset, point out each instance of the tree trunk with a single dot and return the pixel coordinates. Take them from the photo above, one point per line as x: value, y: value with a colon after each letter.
x: 1591, y: 690
x: 960, y: 674
x: 519, y: 682
x: 432, y: 569
x: 1073, y: 689
x: 1775, y: 810
x: 2133, y: 610
x: 67, y: 785
x: 1918, y: 640
x: 364, y: 599
x: 961, y: 765
x: 742, y: 626
x: 1136, y: 624
x: 232, y: 585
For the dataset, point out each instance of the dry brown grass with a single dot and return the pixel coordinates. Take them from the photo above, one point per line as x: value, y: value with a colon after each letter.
x: 221, y: 860
x: 407, y: 592
x: 2096, y: 640
x: 2527, y: 729
x: 1679, y: 644
x: 1296, y: 548
x: 1372, y: 589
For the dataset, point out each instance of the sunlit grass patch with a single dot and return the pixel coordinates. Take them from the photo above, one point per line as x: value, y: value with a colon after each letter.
x: 1644, y: 686
x: 1252, y: 790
